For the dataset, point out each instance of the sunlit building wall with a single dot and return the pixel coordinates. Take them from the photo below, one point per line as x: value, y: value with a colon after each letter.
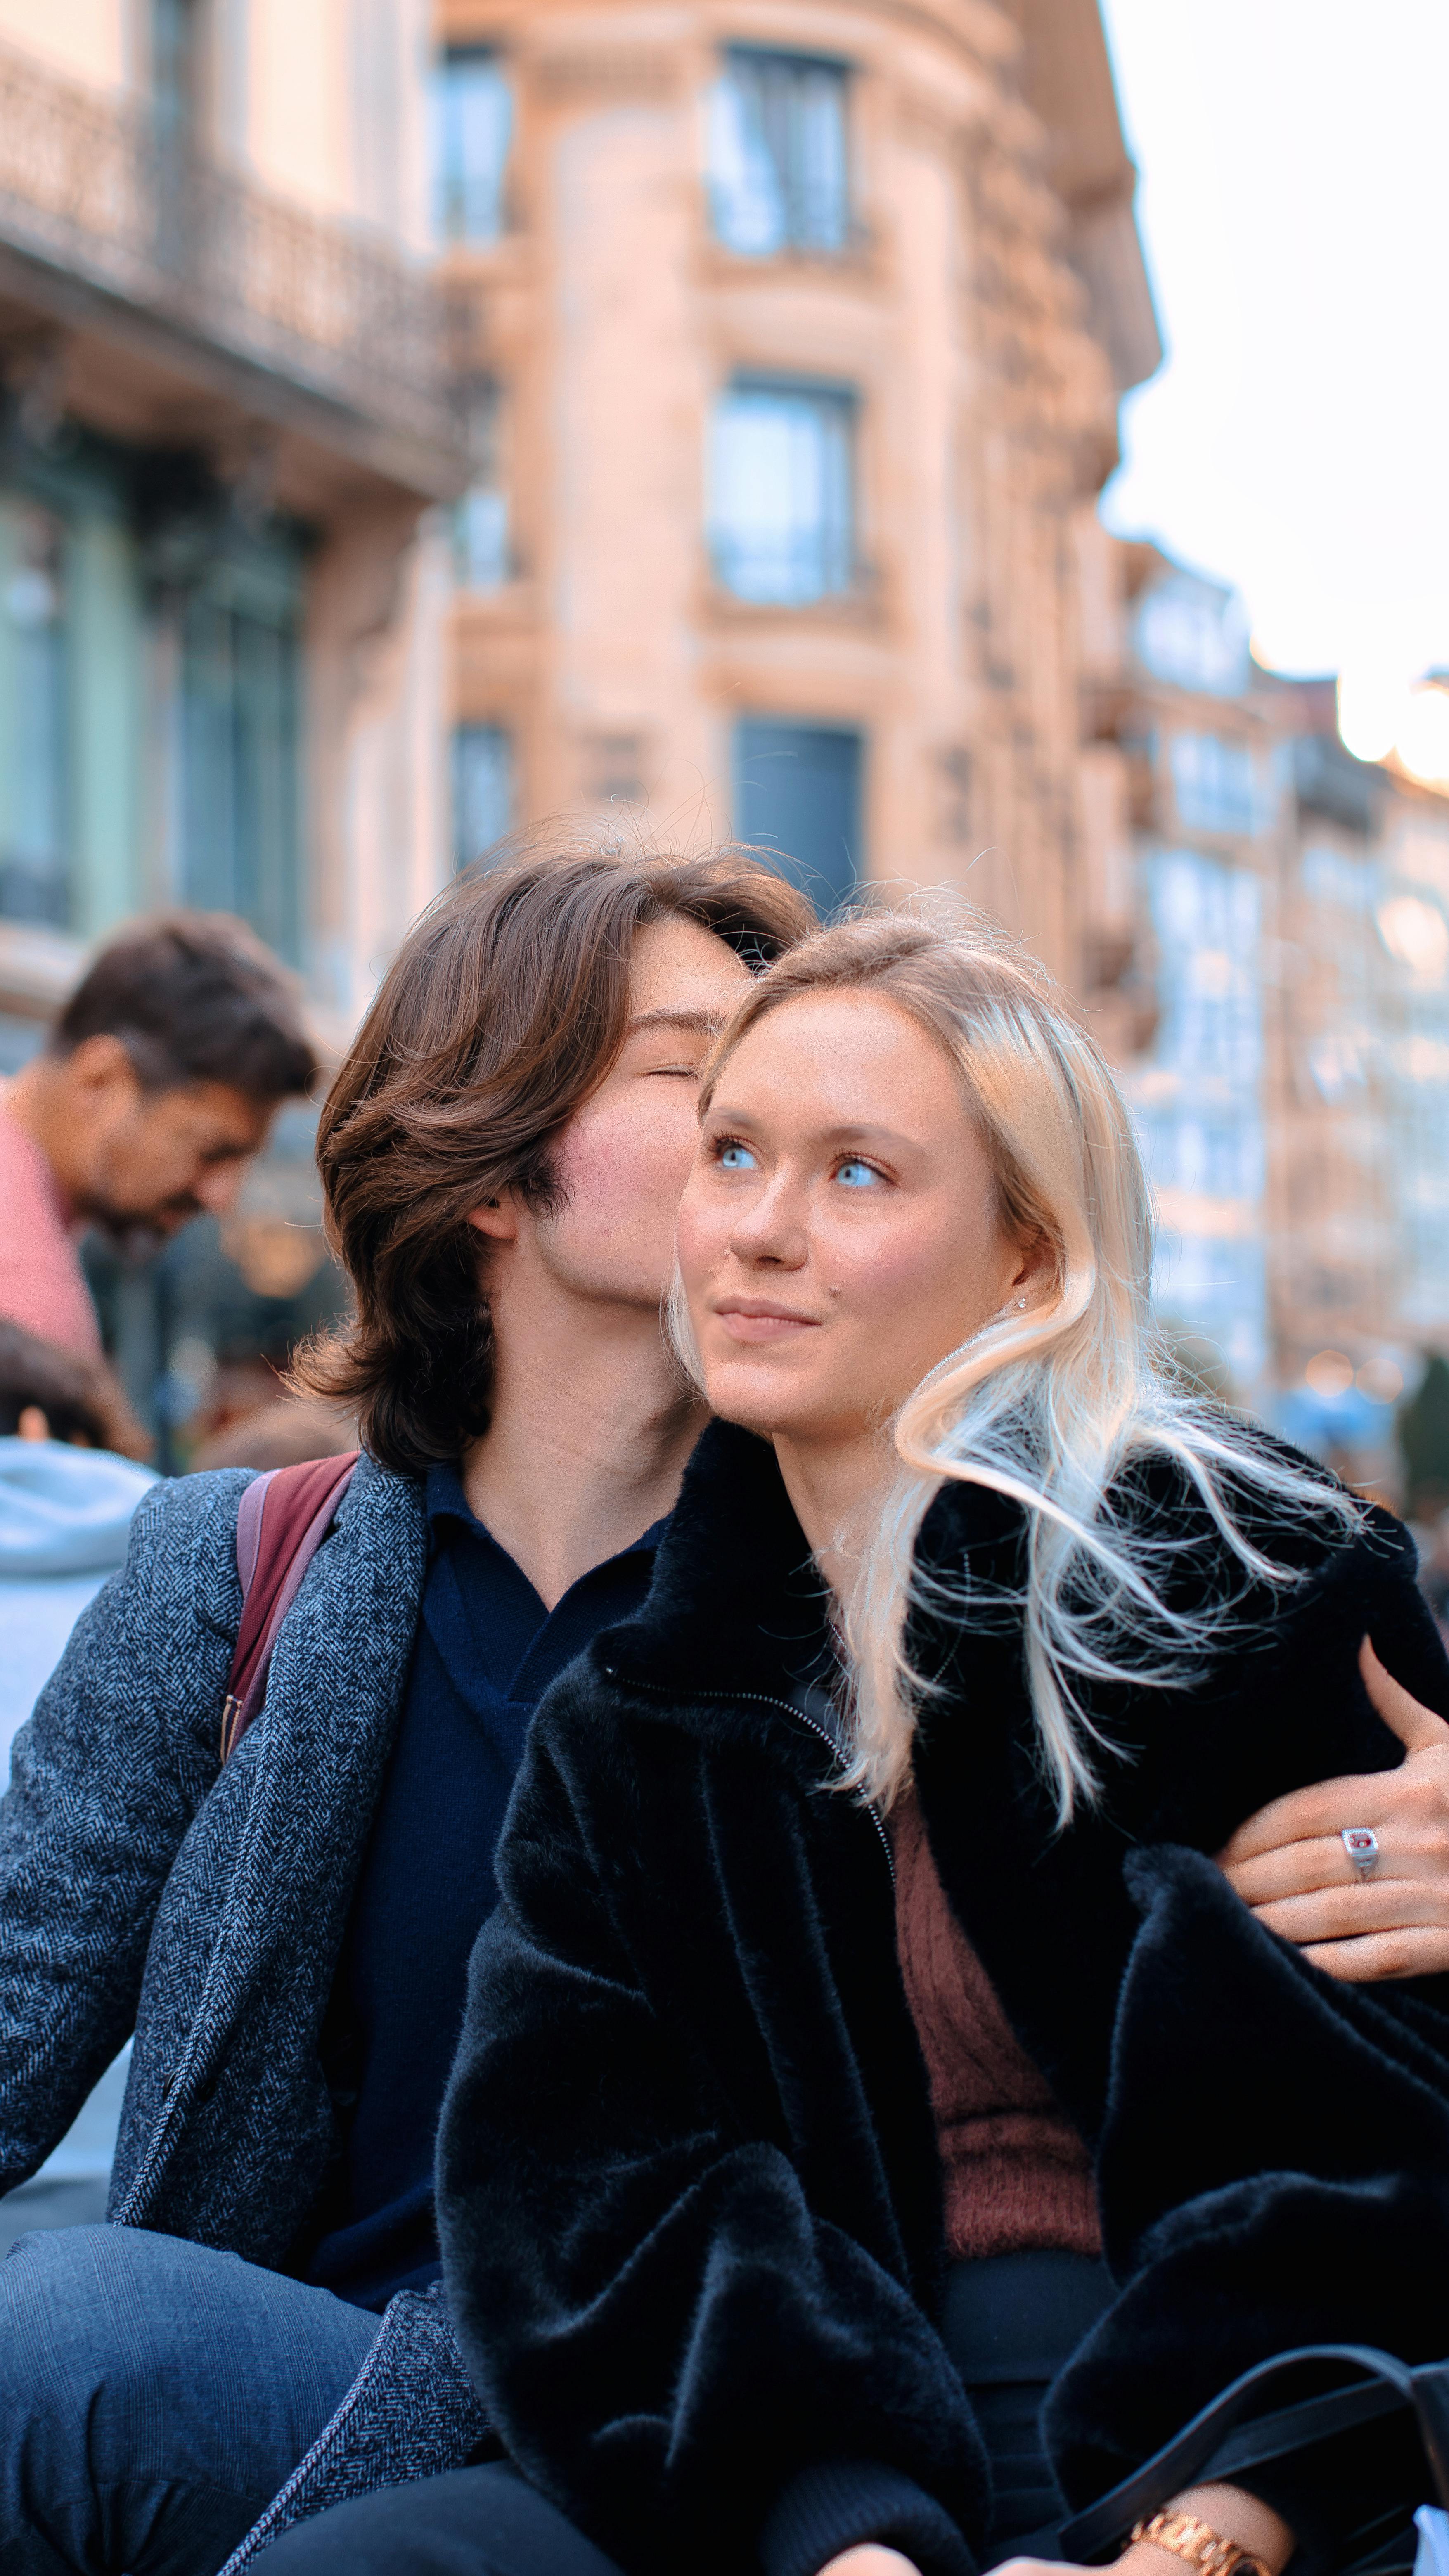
x: 800, y: 333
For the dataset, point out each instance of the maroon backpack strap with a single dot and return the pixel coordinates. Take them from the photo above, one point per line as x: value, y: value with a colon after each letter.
x: 284, y: 1517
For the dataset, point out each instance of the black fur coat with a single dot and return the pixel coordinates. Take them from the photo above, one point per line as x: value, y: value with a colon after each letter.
x: 688, y: 2193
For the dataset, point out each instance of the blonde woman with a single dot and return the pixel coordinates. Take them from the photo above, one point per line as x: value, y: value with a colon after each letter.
x: 866, y: 2044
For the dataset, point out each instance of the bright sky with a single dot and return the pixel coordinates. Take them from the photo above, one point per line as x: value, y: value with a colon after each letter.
x: 1293, y: 201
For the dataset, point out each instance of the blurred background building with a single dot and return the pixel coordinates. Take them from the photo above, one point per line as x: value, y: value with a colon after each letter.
x: 798, y: 332
x: 1274, y: 945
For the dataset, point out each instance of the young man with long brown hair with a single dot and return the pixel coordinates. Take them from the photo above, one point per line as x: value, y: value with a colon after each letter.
x: 287, y: 1933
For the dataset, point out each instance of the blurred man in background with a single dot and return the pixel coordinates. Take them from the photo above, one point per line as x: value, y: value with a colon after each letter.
x: 66, y: 1499
x: 158, y: 1084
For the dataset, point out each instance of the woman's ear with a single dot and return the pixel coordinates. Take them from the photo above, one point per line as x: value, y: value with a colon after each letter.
x: 497, y: 1218
x: 1034, y: 1263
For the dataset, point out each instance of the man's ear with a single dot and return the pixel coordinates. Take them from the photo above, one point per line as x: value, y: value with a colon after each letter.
x: 100, y: 1065
x: 497, y: 1218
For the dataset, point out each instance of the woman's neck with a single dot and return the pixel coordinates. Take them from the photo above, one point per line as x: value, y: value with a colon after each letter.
x: 833, y: 1485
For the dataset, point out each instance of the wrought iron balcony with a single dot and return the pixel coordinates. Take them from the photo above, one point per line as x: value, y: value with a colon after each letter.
x: 94, y: 194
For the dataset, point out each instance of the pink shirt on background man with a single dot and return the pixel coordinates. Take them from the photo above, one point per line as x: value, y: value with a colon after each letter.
x: 42, y: 1284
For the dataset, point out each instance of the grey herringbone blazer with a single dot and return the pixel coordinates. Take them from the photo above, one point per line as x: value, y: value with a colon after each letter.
x: 143, y: 1888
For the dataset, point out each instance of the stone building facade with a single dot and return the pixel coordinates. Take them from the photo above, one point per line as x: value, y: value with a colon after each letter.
x: 1273, y: 980
x: 226, y: 409
x: 799, y: 327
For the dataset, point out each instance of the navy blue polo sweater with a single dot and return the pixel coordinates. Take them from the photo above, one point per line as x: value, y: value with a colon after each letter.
x: 486, y: 1652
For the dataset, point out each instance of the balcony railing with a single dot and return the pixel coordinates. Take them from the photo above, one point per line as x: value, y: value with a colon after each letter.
x: 91, y: 186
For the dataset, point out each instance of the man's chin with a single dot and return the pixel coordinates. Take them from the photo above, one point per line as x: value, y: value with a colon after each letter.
x: 135, y: 1240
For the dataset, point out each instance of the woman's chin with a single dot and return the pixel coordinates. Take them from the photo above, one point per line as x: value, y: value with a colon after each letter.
x: 751, y: 1393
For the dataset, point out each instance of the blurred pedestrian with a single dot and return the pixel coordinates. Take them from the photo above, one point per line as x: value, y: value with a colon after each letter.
x: 158, y: 1083
x: 284, y: 1433
x: 66, y: 1500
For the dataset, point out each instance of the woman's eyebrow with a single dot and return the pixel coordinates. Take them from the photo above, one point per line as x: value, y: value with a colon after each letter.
x: 858, y: 1133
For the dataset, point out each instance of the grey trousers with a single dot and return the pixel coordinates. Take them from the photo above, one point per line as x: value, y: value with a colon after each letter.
x: 154, y: 2396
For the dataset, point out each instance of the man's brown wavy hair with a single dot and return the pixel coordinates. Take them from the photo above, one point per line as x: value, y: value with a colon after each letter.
x: 505, y: 1007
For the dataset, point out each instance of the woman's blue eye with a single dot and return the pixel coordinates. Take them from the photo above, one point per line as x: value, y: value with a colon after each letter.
x: 736, y: 1158
x: 857, y: 1176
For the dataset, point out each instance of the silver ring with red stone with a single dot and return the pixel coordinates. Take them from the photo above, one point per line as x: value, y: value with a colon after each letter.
x: 1362, y: 1846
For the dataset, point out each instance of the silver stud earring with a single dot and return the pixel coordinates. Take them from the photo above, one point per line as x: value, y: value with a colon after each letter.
x: 1021, y: 1305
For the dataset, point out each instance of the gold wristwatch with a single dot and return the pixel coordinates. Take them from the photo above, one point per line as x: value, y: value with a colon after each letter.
x: 1199, y: 2545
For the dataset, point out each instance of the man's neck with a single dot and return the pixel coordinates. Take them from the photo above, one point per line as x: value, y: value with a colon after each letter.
x: 589, y: 1437
x: 35, y: 1099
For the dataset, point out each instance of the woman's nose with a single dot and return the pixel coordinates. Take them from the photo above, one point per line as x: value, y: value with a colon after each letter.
x: 771, y: 1231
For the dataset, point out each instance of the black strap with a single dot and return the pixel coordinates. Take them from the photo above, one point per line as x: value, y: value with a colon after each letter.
x: 1387, y: 2385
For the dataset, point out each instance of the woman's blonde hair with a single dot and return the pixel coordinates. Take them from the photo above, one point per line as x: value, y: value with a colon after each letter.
x: 1049, y: 1405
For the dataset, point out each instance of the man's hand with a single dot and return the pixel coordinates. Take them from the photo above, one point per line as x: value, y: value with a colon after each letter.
x: 1288, y: 1863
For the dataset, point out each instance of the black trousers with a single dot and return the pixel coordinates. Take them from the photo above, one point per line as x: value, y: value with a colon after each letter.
x: 477, y: 2522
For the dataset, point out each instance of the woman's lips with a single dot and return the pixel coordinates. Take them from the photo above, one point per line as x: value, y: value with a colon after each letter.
x: 761, y: 1323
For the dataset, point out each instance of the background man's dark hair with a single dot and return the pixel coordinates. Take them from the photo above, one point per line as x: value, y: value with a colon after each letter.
x: 79, y: 1397
x: 194, y: 997
x: 503, y: 1010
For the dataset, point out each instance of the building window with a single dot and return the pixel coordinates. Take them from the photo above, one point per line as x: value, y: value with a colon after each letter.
x: 237, y: 792
x: 482, y: 790
x: 34, y: 748
x: 482, y: 557
x: 472, y: 118
x: 176, y: 42
x: 1194, y: 634
x: 1216, y: 785
x: 797, y: 796
x: 782, y: 492
x: 779, y: 169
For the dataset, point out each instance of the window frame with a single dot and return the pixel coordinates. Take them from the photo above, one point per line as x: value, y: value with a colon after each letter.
x: 841, y: 581
x: 448, y: 235
x: 488, y: 403
x: 798, y: 238
x: 503, y: 734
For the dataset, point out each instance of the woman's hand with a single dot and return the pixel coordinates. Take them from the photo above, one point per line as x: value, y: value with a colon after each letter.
x: 1288, y: 1863
x: 1229, y: 2511
x: 870, y: 2558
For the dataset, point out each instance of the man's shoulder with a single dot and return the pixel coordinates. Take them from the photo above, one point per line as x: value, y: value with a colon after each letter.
x: 184, y: 1534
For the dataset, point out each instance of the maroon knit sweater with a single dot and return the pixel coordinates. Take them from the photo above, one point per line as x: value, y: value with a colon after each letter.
x: 1015, y: 2172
